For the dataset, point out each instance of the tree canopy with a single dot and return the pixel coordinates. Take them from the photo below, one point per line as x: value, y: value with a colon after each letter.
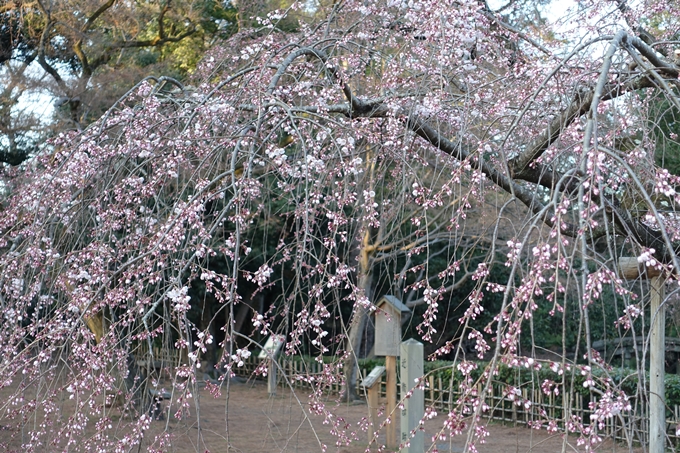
x: 83, y: 56
x: 373, y: 147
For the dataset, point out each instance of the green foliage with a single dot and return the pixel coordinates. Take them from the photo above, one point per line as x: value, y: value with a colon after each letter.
x: 251, y: 12
x: 95, y: 64
x: 219, y: 18
x: 146, y: 58
x: 213, y: 20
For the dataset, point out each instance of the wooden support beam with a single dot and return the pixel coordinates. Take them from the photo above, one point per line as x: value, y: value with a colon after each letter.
x: 630, y: 269
x: 373, y: 403
x: 657, y: 388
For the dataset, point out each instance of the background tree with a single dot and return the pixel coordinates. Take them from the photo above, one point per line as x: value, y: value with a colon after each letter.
x: 84, y: 55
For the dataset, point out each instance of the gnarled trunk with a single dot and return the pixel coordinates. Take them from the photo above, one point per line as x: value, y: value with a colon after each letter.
x: 359, y: 318
x: 134, y: 382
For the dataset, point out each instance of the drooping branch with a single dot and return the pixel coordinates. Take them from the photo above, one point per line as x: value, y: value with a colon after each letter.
x: 582, y: 102
x: 433, y: 136
x: 509, y: 185
x: 129, y: 213
x: 520, y: 166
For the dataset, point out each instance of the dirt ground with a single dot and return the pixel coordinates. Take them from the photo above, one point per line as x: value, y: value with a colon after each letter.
x: 254, y: 422
x: 250, y: 421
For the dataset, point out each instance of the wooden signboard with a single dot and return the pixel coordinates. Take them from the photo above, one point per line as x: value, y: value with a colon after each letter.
x: 272, y: 347
x: 388, y: 326
x: 373, y: 377
x: 387, y: 341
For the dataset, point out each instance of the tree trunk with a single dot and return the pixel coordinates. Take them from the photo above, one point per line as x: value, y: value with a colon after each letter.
x: 134, y: 382
x: 207, y: 325
x: 96, y: 325
x: 359, y: 318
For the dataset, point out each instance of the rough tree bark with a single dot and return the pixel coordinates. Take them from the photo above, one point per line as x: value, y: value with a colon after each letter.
x: 359, y: 317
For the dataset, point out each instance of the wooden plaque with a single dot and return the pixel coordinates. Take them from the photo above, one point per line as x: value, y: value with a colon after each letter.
x: 272, y: 347
x: 373, y: 377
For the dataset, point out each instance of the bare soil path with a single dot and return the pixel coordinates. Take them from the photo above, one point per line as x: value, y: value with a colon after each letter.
x: 250, y: 421
x: 258, y: 423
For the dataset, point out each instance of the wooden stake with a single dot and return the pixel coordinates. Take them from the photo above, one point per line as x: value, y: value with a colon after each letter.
x: 371, y: 383
x: 271, y: 378
x: 391, y: 390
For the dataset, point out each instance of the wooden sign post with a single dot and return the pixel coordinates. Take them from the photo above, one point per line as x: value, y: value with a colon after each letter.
x: 372, y: 384
x: 412, y: 437
x: 630, y: 268
x: 271, y: 349
x: 387, y: 341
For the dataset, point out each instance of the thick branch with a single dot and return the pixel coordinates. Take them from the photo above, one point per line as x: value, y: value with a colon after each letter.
x: 161, y: 16
x: 161, y: 39
x: 101, y: 10
x: 521, y: 192
x: 519, y: 166
x: 647, y: 37
x: 47, y: 67
x: 8, y: 7
x: 424, y: 130
x: 78, y: 46
x: 583, y: 99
